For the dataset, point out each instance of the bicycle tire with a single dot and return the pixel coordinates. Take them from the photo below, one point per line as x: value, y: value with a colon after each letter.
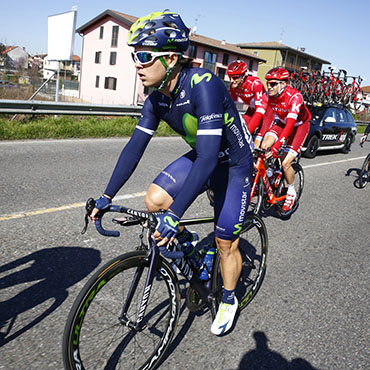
x: 298, y: 185
x: 253, y: 247
x: 363, y: 178
x: 94, y: 337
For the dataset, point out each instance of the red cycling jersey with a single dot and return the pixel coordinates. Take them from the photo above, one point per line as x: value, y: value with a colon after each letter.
x: 250, y: 92
x: 289, y: 107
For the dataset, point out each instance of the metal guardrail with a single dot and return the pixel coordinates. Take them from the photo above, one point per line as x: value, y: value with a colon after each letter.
x: 48, y: 107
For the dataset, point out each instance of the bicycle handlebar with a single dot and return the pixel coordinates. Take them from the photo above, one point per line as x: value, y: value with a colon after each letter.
x: 141, y: 216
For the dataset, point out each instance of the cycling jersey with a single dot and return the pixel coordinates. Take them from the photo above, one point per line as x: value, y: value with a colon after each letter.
x: 250, y: 92
x: 202, y: 111
x: 289, y: 107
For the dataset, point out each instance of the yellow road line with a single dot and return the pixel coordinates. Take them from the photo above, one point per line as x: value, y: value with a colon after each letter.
x: 63, y: 208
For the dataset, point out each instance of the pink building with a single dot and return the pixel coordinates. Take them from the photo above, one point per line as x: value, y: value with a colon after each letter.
x: 108, y: 74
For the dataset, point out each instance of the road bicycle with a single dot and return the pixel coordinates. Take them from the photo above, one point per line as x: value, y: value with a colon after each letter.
x: 272, y: 191
x: 126, y: 315
x: 363, y: 178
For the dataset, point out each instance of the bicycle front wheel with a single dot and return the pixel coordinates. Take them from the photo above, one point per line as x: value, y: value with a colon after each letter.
x: 100, y: 333
x: 364, y: 174
x: 253, y: 244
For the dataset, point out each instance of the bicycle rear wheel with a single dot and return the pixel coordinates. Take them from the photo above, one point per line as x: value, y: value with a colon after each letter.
x: 95, y: 338
x: 298, y: 185
x: 364, y: 174
x: 253, y: 244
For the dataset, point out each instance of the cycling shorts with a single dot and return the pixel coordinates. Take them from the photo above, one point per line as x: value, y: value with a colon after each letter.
x: 295, y: 140
x: 231, y: 187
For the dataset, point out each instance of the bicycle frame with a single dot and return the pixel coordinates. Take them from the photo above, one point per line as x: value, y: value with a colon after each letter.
x: 261, y: 172
x: 153, y: 255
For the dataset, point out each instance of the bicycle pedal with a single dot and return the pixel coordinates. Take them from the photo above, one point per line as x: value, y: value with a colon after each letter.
x: 126, y: 221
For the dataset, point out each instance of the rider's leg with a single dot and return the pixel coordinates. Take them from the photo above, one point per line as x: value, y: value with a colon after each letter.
x: 268, y: 141
x: 287, y: 167
x: 230, y: 262
x: 157, y: 198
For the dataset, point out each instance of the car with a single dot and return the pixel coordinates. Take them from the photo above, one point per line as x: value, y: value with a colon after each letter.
x: 332, y: 127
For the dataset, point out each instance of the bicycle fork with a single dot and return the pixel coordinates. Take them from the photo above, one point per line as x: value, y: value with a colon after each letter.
x: 139, y: 325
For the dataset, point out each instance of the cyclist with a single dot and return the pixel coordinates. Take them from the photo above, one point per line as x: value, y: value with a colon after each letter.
x: 250, y: 90
x: 366, y: 133
x: 196, y: 104
x: 292, y: 127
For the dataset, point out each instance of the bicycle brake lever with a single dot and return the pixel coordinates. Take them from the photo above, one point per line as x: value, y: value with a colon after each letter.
x: 90, y: 205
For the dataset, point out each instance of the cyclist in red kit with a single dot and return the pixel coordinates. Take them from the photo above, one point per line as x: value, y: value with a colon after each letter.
x: 249, y: 89
x: 292, y: 127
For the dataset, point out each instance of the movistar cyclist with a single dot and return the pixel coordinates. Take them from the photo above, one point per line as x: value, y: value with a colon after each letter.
x: 196, y: 104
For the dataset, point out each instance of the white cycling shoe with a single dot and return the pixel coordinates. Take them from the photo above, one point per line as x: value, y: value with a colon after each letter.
x: 224, y: 318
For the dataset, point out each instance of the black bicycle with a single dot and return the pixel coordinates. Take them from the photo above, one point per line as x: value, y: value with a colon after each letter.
x: 364, y: 174
x: 126, y: 315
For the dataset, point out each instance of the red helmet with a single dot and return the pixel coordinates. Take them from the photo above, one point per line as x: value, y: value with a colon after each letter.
x: 237, y: 68
x: 280, y: 74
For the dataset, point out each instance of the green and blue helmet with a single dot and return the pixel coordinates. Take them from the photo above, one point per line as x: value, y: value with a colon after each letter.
x: 160, y: 30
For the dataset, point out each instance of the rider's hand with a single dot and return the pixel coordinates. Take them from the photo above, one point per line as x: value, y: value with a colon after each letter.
x: 272, y: 152
x: 167, y: 227
x: 363, y: 139
x: 100, y: 203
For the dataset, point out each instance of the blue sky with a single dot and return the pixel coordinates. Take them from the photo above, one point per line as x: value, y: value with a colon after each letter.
x: 334, y: 30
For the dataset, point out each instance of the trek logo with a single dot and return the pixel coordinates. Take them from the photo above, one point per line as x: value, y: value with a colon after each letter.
x: 330, y: 137
x: 170, y: 221
x: 196, y: 79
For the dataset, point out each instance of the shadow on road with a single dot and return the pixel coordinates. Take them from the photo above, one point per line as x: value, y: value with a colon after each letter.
x: 264, y: 358
x: 357, y: 171
x: 40, y: 279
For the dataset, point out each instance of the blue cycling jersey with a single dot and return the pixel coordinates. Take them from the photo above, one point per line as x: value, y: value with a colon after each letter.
x: 202, y: 111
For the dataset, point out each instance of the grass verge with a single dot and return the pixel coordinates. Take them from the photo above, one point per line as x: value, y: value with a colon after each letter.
x: 65, y: 127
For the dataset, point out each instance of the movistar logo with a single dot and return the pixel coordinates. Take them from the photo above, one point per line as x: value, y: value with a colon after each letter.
x: 238, y: 228
x: 196, y: 79
x: 170, y: 221
x: 228, y: 121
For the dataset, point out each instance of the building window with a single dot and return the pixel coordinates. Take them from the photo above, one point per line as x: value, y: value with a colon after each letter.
x: 255, y: 53
x: 225, y: 59
x: 221, y: 74
x: 113, y: 57
x: 114, y: 36
x: 251, y: 65
x: 192, y: 51
x: 101, y: 32
x: 98, y: 57
x: 110, y: 83
x: 97, y: 80
x: 210, y: 60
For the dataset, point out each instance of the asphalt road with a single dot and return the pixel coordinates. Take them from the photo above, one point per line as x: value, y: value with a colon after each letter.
x: 312, y: 311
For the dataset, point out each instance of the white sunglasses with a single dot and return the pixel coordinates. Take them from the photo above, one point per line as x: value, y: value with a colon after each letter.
x: 146, y: 57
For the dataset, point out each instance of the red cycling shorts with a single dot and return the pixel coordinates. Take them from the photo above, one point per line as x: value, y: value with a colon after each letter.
x: 296, y: 138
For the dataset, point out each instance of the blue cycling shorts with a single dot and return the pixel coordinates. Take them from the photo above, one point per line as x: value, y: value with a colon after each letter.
x: 231, y: 187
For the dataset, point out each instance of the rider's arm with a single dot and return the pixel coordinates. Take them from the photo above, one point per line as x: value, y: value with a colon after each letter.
x: 295, y: 104
x: 134, y: 149
x: 208, y: 97
x: 367, y: 131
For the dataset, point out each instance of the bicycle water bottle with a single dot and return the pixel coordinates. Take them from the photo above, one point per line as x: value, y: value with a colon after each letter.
x: 269, y: 172
x: 207, y: 262
x: 192, y: 254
